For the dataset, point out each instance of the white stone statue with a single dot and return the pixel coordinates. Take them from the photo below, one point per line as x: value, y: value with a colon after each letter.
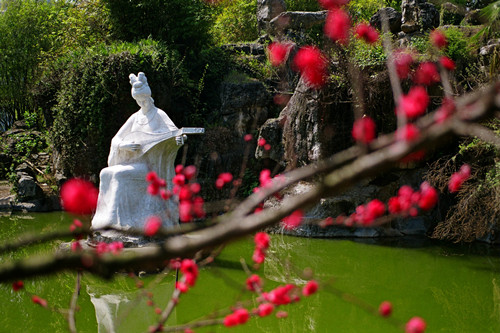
x: 148, y: 141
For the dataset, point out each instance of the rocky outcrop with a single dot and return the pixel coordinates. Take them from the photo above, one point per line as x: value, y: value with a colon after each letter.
x: 267, y: 10
x: 418, y: 15
x: 392, y: 15
x: 298, y: 21
x: 245, y: 105
x: 345, y: 204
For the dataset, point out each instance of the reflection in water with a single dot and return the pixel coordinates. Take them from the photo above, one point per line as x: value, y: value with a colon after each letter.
x: 107, y: 308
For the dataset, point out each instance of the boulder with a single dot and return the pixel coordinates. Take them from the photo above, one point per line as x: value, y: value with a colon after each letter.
x: 451, y: 14
x: 272, y: 132
x: 27, y: 188
x: 418, y: 15
x: 267, y: 10
x: 392, y: 15
x: 296, y: 21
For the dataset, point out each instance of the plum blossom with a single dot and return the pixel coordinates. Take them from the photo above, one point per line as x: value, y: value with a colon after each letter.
x: 366, y: 32
x: 458, y: 178
x: 337, y: 26
x: 414, y: 103
x: 79, y: 196
x: 363, y: 130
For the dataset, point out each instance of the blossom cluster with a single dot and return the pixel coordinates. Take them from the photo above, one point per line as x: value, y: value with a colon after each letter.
x: 190, y: 273
x: 262, y: 242
x: 406, y: 203
x: 190, y: 203
x: 268, y: 301
x: 458, y: 178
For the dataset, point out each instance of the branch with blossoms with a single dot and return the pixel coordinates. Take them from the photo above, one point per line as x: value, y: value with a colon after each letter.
x: 417, y: 132
x: 338, y: 173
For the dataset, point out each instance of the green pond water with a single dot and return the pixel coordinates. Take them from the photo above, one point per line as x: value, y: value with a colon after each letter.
x: 454, y: 288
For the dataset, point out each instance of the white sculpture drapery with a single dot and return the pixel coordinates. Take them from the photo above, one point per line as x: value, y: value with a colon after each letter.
x: 148, y: 141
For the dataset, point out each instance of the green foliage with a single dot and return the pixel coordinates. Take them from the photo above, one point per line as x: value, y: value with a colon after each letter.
x: 459, y: 48
x: 94, y: 97
x: 362, y: 10
x: 303, y: 5
x: 235, y: 21
x: 367, y: 55
x: 33, y: 34
x: 181, y: 23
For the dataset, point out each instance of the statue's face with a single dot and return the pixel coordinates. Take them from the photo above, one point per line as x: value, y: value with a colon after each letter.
x: 140, y: 91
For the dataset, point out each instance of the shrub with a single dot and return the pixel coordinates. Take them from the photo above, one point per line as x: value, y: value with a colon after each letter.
x: 182, y: 24
x: 235, y: 21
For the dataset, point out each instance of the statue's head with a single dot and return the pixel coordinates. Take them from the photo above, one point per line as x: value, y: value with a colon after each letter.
x: 140, y: 87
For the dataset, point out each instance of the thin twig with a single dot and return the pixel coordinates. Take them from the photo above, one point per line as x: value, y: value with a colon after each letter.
x: 73, y: 304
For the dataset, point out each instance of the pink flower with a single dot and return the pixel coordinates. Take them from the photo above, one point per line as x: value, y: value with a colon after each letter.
x: 262, y: 240
x: 447, y: 63
x: 393, y: 205
x: 265, y: 177
x: 385, y: 309
x: 280, y: 295
x: 310, y: 288
x: 265, y: 309
x: 17, y: 285
x: 408, y: 133
x: 76, y: 246
x: 151, y: 177
x: 179, y: 179
x: 198, y: 209
x: 189, y: 172
x: 259, y: 256
x: 185, y: 208
x: 226, y: 177
x: 293, y: 220
x: 426, y: 74
x: 375, y: 209
x: 261, y: 142
x: 331, y: 4
x: 116, y: 247
x: 153, y: 189
x: 153, y: 224
x: 428, y: 196
x: 403, y: 60
x: 238, y: 317
x: 267, y: 146
x: 38, y: 300
x: 415, y: 325
x: 165, y: 194
x: 178, y: 169
x: 195, y: 188
x: 219, y: 183
x: 185, y: 193
x: 438, y: 39
x: 190, y: 271
x: 248, y: 137
x: 182, y: 287
x: 363, y: 130
x: 414, y: 103
x: 254, y: 282
x: 278, y: 53
x: 79, y: 196
x: 366, y: 32
x: 337, y: 26
x: 313, y: 65
x: 458, y: 178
